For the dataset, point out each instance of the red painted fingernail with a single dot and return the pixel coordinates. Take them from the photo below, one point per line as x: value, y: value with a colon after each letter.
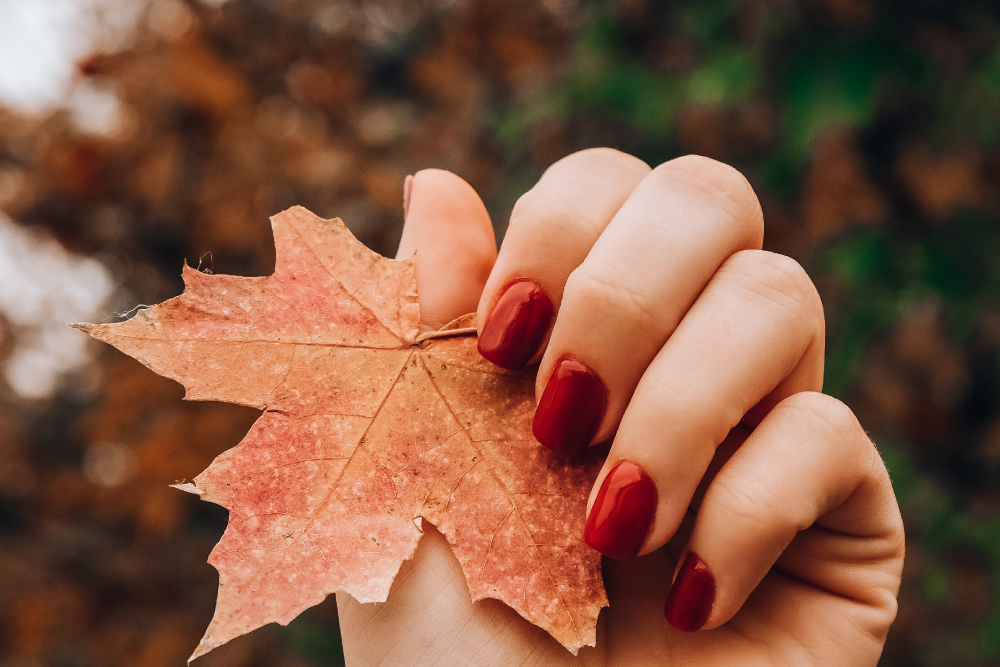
x: 622, y: 513
x: 407, y: 189
x: 692, y: 596
x: 571, y: 408
x: 515, y: 327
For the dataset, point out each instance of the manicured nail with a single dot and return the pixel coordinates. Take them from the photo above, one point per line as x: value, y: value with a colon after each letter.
x: 407, y: 189
x: 515, y: 327
x: 622, y: 513
x: 692, y: 596
x: 571, y: 408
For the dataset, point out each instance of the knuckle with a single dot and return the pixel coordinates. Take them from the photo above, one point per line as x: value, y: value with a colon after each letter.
x: 824, y: 412
x: 686, y: 395
x: 623, y: 293
x: 721, y: 184
x: 540, y: 209
x: 748, y: 500
x: 598, y: 157
x: 550, y: 205
x: 538, y: 212
x: 778, y: 279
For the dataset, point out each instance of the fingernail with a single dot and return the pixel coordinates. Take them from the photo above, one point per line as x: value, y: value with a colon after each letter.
x: 622, y: 513
x: 407, y: 189
x: 692, y: 596
x: 571, y: 408
x: 515, y: 327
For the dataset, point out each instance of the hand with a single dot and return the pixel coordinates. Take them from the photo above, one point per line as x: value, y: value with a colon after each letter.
x: 757, y: 502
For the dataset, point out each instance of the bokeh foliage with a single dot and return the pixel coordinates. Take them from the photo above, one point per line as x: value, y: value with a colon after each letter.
x: 870, y: 130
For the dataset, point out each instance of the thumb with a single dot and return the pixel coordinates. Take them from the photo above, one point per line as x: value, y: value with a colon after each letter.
x: 448, y: 227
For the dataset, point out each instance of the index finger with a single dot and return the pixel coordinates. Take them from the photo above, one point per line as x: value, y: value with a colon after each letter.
x: 552, y: 228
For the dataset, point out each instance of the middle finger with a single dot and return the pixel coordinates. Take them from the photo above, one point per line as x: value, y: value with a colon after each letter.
x: 634, y: 287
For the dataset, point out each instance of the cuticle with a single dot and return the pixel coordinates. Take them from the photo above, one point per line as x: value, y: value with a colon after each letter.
x: 510, y: 283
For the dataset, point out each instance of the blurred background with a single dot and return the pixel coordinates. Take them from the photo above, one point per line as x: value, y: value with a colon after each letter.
x: 137, y: 134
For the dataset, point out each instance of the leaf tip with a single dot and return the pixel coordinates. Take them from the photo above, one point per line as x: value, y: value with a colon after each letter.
x: 296, y: 209
x: 202, y: 649
x: 188, y: 487
x: 293, y: 212
x: 98, y: 331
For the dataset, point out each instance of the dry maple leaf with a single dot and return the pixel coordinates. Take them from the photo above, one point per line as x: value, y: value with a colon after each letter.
x: 367, y: 431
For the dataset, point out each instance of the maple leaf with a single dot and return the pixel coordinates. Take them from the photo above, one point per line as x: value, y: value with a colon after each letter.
x: 368, y: 429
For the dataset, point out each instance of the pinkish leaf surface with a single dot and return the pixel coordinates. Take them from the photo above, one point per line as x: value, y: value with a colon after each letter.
x: 367, y: 431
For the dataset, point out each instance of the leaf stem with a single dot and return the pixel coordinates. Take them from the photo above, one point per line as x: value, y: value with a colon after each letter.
x: 444, y: 334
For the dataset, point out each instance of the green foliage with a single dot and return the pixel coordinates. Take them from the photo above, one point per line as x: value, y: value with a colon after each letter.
x: 315, y: 642
x: 884, y: 274
x: 604, y: 79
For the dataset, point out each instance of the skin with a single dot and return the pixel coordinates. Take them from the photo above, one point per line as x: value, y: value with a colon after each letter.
x: 712, y: 353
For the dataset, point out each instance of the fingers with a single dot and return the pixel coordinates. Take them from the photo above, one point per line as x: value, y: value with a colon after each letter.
x: 808, y: 467
x: 552, y: 228
x: 449, y: 229
x: 636, y: 283
x: 757, y: 327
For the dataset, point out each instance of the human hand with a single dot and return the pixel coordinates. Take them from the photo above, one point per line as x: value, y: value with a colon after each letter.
x: 758, y: 503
